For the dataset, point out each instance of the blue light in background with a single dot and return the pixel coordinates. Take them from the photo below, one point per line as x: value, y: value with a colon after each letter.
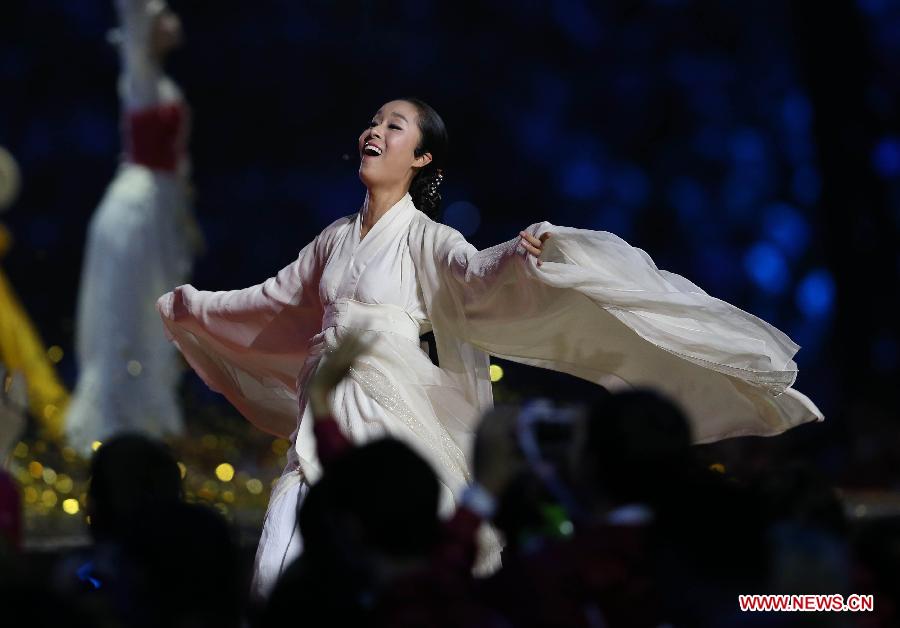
x: 815, y: 294
x: 874, y: 7
x: 462, y: 216
x: 717, y: 270
x: 710, y: 142
x: 785, y: 226
x: 537, y: 134
x: 748, y: 147
x: 617, y: 220
x: 582, y: 179
x: 688, y: 199
x: 575, y: 19
x: 766, y: 267
x: 796, y: 112
x: 630, y: 185
x: 740, y: 194
x: 886, y: 157
x: 94, y: 134
x: 806, y: 184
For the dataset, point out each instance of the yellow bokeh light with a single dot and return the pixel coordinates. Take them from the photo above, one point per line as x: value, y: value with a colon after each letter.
x: 96, y: 445
x: 134, y: 368
x: 71, y: 506
x: 49, y: 475
x: 225, y: 472
x: 48, y: 498
x: 254, y: 486
x: 69, y: 454
x: 31, y: 495
x: 182, y: 469
x: 21, y: 450
x: 50, y: 411
x: 55, y: 353
x: 36, y: 469
x: 280, y: 446
x: 718, y: 467
x: 496, y: 372
x: 228, y: 497
x: 64, y: 483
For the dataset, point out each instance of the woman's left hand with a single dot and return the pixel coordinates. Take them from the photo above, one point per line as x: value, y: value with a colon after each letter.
x: 334, y: 367
x: 534, y: 245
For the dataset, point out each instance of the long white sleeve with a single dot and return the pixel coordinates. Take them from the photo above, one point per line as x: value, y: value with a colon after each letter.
x: 250, y: 344
x: 601, y: 310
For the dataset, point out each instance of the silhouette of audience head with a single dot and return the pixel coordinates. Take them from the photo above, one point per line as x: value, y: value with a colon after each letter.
x: 371, y: 516
x: 185, y: 566
x: 383, y: 496
x: 636, y: 445
x: 130, y: 475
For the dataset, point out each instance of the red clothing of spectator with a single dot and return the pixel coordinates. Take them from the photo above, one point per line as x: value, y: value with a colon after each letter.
x: 10, y: 513
x: 600, y: 577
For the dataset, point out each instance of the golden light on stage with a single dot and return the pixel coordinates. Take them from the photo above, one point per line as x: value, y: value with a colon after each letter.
x: 36, y: 469
x: 254, y: 486
x: 496, y: 372
x: 49, y: 475
x: 71, y: 506
x: 225, y: 472
x: 48, y: 498
x: 55, y: 354
x: 64, y: 484
x: 96, y: 445
x: 21, y: 450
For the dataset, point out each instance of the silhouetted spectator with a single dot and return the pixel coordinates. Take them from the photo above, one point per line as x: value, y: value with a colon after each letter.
x: 130, y: 475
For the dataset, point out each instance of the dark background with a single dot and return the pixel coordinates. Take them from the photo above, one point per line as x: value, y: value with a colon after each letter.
x: 752, y: 147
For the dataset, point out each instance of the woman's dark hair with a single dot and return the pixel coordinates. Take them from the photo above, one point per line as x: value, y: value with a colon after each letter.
x: 425, y: 186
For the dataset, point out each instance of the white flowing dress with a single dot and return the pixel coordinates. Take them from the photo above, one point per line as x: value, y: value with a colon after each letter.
x: 137, y: 247
x: 596, y: 308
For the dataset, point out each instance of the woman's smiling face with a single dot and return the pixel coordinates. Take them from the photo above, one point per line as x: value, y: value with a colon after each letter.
x: 387, y: 146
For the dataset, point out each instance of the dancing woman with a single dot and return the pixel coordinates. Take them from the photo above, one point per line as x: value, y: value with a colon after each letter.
x: 571, y: 300
x: 139, y: 245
